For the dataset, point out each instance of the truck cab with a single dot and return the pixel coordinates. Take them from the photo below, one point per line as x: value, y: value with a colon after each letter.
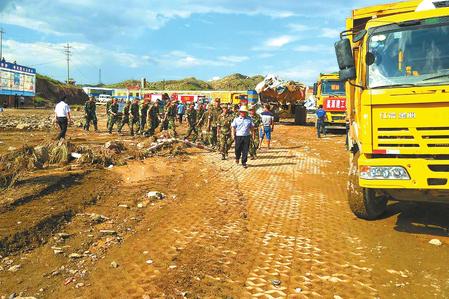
x: 330, y: 92
x: 395, y: 60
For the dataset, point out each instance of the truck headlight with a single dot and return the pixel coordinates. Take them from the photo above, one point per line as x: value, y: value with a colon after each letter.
x: 383, y: 173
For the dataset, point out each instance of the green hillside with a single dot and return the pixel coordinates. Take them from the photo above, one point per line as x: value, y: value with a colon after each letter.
x: 236, y: 82
x: 232, y: 82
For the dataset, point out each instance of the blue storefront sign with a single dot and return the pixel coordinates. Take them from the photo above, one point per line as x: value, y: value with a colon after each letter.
x: 17, y: 80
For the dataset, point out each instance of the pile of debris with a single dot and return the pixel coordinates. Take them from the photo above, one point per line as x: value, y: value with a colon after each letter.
x: 114, y: 153
x: 30, y: 122
x: 16, y: 163
x: 273, y: 89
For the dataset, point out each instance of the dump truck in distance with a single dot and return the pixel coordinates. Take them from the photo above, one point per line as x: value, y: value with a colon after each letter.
x: 331, y: 94
x: 395, y: 61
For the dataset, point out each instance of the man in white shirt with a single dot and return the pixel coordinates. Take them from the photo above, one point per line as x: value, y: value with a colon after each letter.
x: 242, y: 128
x: 63, y: 117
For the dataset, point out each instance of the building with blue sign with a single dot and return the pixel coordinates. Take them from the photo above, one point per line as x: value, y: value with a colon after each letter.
x: 16, y: 80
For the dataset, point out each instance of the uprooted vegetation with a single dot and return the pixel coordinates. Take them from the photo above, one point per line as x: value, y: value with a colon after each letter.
x: 56, y: 154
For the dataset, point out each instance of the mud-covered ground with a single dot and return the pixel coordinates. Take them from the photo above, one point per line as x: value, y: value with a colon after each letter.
x: 281, y: 228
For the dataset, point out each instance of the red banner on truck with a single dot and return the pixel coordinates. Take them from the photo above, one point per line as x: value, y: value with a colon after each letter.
x: 335, y: 104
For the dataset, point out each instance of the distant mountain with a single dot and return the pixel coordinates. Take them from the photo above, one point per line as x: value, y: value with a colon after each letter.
x: 232, y: 82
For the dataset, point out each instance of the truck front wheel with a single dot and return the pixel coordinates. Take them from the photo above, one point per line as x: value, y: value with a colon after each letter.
x: 365, y: 203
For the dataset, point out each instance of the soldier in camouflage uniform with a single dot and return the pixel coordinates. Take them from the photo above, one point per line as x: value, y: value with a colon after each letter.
x: 134, y: 116
x: 168, y: 123
x: 236, y: 111
x: 143, y: 116
x: 125, y: 117
x: 192, y: 118
x: 113, y: 115
x: 224, y: 132
x: 108, y: 114
x: 153, y: 114
x: 254, y: 142
x: 90, y: 110
x: 172, y: 113
x: 203, y: 116
x: 214, y: 113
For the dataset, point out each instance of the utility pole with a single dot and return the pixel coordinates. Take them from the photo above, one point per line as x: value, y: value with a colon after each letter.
x: 68, y: 53
x: 99, y: 77
x: 1, y: 42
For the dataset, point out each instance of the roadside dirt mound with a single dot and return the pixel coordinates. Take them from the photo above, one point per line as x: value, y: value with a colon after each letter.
x: 50, y: 89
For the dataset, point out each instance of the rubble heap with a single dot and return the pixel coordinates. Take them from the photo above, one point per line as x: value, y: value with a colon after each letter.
x: 273, y: 89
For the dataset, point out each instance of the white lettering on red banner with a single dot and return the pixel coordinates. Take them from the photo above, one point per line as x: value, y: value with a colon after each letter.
x: 335, y: 104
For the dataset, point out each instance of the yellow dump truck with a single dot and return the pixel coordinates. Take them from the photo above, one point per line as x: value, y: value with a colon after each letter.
x: 330, y: 93
x: 395, y: 61
x: 228, y: 97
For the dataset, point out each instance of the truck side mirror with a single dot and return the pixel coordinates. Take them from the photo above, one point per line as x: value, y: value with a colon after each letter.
x: 359, y: 36
x: 345, y: 60
x: 315, y: 89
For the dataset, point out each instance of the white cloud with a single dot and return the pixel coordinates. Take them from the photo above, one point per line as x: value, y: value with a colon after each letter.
x: 184, y: 60
x: 279, y: 42
x: 83, y: 54
x: 265, y: 55
x: 298, y: 27
x: 28, y: 23
x: 331, y: 33
x: 314, y: 49
x: 307, y: 71
x: 102, y: 18
x: 215, y: 78
x: 233, y: 59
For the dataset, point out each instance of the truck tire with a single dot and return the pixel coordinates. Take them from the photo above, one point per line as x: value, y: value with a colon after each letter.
x: 300, y: 115
x: 365, y: 203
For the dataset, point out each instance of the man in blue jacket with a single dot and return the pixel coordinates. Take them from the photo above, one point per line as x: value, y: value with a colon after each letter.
x: 320, y: 121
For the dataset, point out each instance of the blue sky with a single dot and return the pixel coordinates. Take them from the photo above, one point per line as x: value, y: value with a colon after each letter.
x: 173, y: 39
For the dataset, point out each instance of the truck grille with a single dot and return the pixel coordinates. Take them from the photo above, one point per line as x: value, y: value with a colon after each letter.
x: 425, y: 138
x: 335, y: 117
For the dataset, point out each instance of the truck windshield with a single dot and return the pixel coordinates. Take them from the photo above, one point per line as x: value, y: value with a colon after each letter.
x: 410, y: 56
x: 332, y: 88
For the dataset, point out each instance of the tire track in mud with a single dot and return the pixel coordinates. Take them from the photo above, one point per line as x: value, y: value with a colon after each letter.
x: 30, y: 221
x: 295, y: 233
x: 231, y: 232
x: 193, y: 242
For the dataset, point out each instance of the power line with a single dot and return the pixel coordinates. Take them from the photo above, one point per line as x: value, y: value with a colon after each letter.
x: 1, y: 42
x: 45, y: 63
x: 81, y: 73
x: 68, y: 53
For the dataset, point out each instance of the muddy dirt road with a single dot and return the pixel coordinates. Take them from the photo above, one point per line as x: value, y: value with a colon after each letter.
x: 281, y: 228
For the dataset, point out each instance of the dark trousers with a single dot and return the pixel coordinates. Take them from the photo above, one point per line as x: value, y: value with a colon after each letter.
x: 143, y: 123
x: 91, y: 118
x: 242, y: 148
x: 63, y: 123
x: 320, y: 128
x: 213, y: 136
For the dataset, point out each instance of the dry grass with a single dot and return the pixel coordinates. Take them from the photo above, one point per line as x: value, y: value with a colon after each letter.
x: 98, y: 156
x: 17, y: 163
